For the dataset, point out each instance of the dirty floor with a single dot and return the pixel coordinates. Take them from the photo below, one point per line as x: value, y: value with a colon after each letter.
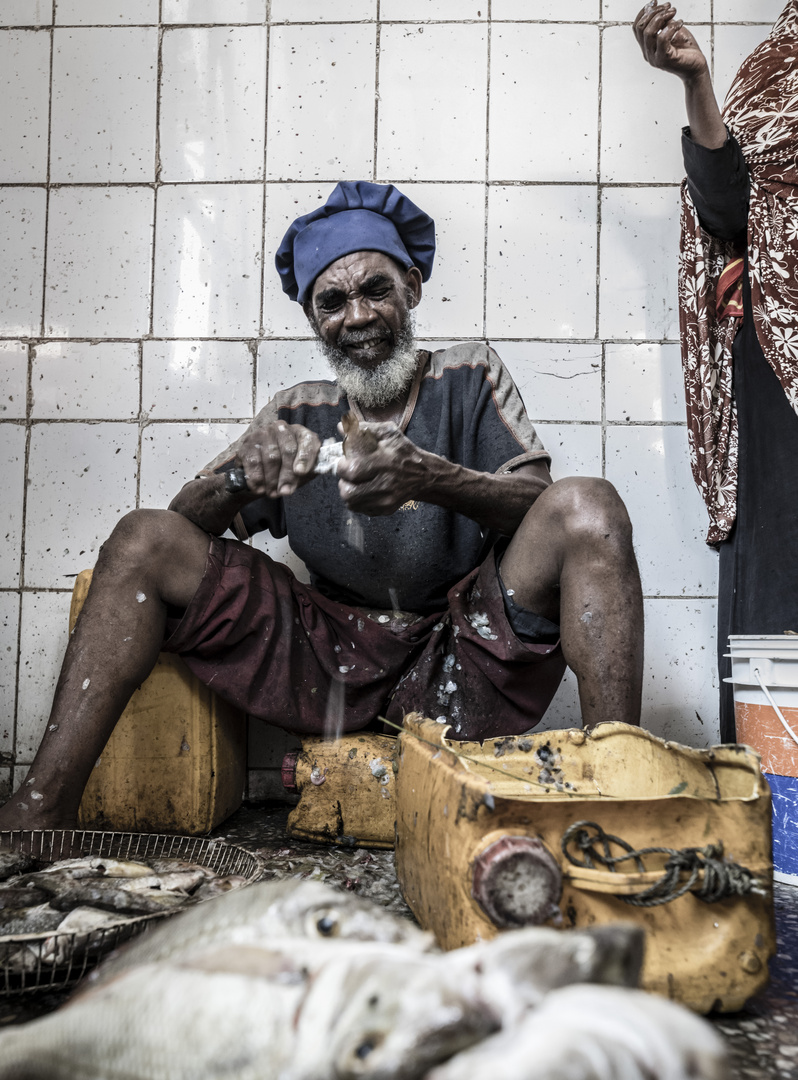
x: 762, y: 1040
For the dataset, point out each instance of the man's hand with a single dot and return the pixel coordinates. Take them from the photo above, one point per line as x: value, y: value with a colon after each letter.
x: 278, y: 458
x: 378, y: 480
x: 666, y: 42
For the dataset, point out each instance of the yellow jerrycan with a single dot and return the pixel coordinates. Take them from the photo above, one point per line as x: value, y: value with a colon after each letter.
x: 572, y: 829
x: 175, y: 762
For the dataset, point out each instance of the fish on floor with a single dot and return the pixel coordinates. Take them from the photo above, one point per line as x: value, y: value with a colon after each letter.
x: 586, y: 1032
x: 293, y: 980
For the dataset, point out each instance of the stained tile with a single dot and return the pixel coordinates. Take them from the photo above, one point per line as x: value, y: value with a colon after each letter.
x: 213, y: 103
x: 285, y: 202
x: 9, y: 640
x: 564, y: 710
x: 24, y: 84
x: 639, y: 252
x: 106, y: 13
x: 558, y: 138
x: 214, y: 11
x: 207, y: 260
x: 559, y: 10
x: 625, y: 11
x: 98, y: 262
x: 12, y: 449
x: 644, y: 382
x: 766, y: 11
x: 267, y: 745
x: 432, y: 115
x: 13, y: 380
x: 280, y: 551
x: 5, y: 782
x: 680, y: 679
x: 22, y: 230
x: 541, y: 266
x: 650, y: 467
x: 452, y: 300
x: 558, y: 381
x: 640, y: 130
x: 732, y: 45
x: 43, y: 641
x: 104, y: 98
x: 26, y: 13
x: 575, y: 449
x: 81, y: 480
x: 313, y: 71
x: 172, y: 454
x: 197, y: 379
x: 282, y: 364
x: 73, y: 380
x: 439, y: 10
x: 316, y: 11
x: 264, y: 785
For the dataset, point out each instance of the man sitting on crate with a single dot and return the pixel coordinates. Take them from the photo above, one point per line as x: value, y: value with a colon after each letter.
x: 449, y: 574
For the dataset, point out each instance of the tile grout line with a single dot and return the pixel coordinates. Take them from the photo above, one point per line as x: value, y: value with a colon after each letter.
x: 30, y: 349
x: 96, y: 421
x: 47, y: 182
x: 509, y: 182
x: 599, y: 208
x: 486, y: 218
x: 262, y: 304
x: 377, y: 55
x: 157, y: 170
x: 31, y: 352
x: 143, y: 420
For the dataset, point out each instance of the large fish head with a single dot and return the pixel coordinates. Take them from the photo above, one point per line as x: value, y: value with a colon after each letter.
x: 403, y: 1017
x: 314, y: 910
x: 538, y: 959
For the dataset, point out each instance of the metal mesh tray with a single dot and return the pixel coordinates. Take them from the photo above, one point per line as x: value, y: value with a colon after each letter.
x: 53, y: 960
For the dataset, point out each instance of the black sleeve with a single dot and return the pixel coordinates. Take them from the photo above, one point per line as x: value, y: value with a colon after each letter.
x: 718, y: 185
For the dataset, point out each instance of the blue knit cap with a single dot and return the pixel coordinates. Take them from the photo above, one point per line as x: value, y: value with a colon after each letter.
x: 358, y: 216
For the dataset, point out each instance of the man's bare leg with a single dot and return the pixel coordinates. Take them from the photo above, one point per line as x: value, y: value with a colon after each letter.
x: 572, y: 561
x: 154, y: 558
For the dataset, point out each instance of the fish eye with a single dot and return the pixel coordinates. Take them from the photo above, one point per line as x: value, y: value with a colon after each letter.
x: 369, y: 1044
x: 327, y: 925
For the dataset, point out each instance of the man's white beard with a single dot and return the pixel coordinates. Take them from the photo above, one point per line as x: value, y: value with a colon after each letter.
x: 374, y: 387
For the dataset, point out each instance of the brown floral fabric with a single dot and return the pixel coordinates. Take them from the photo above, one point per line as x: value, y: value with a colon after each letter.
x: 761, y: 111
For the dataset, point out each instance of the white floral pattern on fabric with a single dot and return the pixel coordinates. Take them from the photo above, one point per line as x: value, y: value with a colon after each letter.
x: 761, y: 111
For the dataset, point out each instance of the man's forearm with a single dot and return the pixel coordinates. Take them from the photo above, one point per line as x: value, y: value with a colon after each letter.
x: 496, y: 501
x: 208, y: 504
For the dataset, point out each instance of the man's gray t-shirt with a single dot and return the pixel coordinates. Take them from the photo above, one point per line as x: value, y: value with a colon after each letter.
x: 463, y: 406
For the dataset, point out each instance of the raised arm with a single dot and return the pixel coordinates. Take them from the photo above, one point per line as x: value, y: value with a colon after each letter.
x: 397, y: 471
x: 667, y: 44
x: 717, y: 175
x: 277, y: 458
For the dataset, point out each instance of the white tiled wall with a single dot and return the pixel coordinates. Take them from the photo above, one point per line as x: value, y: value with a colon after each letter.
x: 152, y: 153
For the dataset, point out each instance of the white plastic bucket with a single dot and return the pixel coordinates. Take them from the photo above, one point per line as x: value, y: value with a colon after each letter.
x: 765, y: 680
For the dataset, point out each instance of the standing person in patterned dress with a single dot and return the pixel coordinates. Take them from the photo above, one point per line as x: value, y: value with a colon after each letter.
x: 738, y: 306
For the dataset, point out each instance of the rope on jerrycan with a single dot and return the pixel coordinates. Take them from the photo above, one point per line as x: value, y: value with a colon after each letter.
x: 722, y: 878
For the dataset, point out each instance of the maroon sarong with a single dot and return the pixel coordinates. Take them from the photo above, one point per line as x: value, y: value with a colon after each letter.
x: 281, y: 651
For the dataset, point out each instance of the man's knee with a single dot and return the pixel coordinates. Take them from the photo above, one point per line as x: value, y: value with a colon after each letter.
x: 586, y: 510
x: 144, y: 537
